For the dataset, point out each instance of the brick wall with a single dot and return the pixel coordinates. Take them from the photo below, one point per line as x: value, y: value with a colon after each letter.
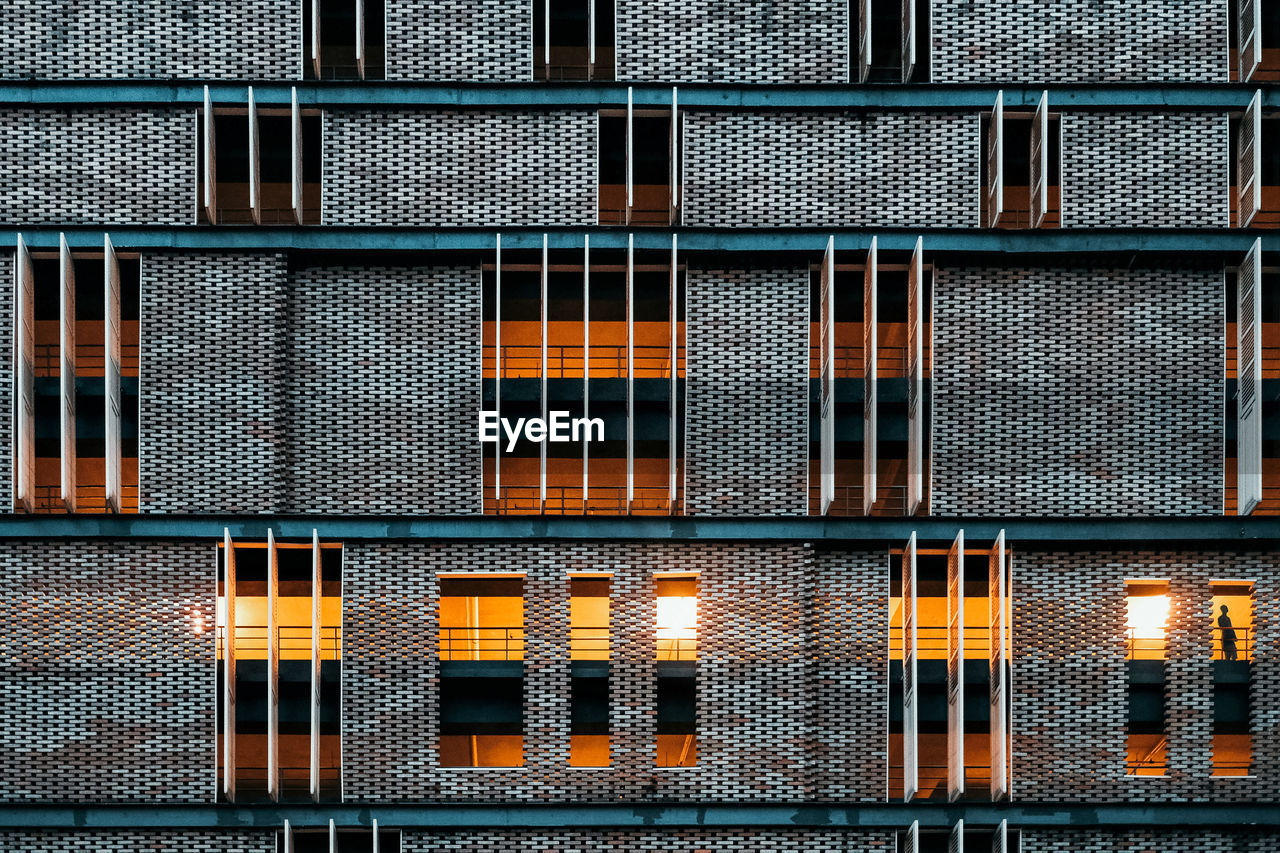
x: 747, y: 418
x: 1070, y: 679
x: 1144, y: 169
x: 1147, y: 841
x: 7, y: 284
x: 1079, y: 41
x: 704, y: 41
x: 211, y: 383
x: 200, y: 39
x: 828, y: 169
x: 108, y: 689
x: 487, y: 169
x: 151, y: 840
x: 1077, y: 392
x: 383, y: 390
x: 750, y: 674
x: 90, y: 166
x: 490, y: 40
x: 651, y: 841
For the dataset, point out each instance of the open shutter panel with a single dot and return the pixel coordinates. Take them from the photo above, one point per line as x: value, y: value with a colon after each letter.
x: 542, y: 446
x: 24, y: 432
x: 631, y: 372
x: 255, y: 162
x: 1040, y: 161
x: 630, y: 154
x: 908, y: 39
x: 209, y: 169
x: 315, y: 37
x: 591, y: 38
x: 673, y: 450
x: 111, y: 301
x: 376, y: 848
x: 546, y: 38
x: 316, y: 621
x: 956, y: 843
x: 360, y: 30
x: 674, y: 177
x: 1250, y: 47
x: 910, y: 710
x: 826, y: 373
x: 67, y: 371
x: 586, y: 365
x: 288, y: 837
x: 915, y: 378
x: 1249, y: 152
x: 333, y: 837
x: 864, y: 40
x: 1000, y: 839
x: 1249, y: 380
x: 229, y: 667
x: 995, y: 163
x: 911, y: 843
x: 997, y: 589
x: 869, y: 381
x: 295, y: 166
x: 955, y: 669
x: 273, y: 669
x: 497, y: 374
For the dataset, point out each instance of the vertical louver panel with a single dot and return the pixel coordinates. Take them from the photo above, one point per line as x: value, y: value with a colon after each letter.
x: 869, y: 360
x: 630, y: 154
x: 586, y: 364
x: 1249, y: 165
x: 997, y: 607
x: 911, y: 842
x: 315, y: 37
x: 915, y: 378
x: 317, y: 592
x: 995, y: 163
x: 24, y: 430
x: 1249, y: 381
x: 229, y: 667
x: 1040, y: 161
x: 826, y: 372
x: 955, y: 844
x: 631, y: 364
x: 955, y: 669
x: 255, y: 162
x: 360, y: 31
x: 67, y: 371
x: 910, y: 709
x: 111, y: 333
x: 542, y: 313
x: 273, y: 668
x: 673, y: 450
x: 209, y: 166
x: 864, y: 40
x: 295, y: 166
x: 1250, y: 18
x: 908, y: 39
x: 1000, y: 839
x: 674, y: 155
x: 497, y: 374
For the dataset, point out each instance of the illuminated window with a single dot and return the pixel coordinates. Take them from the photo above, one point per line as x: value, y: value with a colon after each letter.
x: 1146, y: 626
x: 481, y: 651
x: 573, y: 40
x: 260, y: 718
x: 589, y: 652
x: 83, y: 401
x: 677, y: 650
x: 1231, y: 626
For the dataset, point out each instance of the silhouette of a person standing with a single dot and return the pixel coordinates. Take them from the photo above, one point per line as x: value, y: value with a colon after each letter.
x: 1228, y: 635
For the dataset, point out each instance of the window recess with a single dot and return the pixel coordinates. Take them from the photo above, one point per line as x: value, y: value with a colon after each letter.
x: 258, y: 165
x: 1146, y: 648
x: 961, y: 836
x: 639, y: 164
x: 598, y: 334
x: 1021, y: 167
x: 76, y: 344
x: 1254, y: 41
x: 1254, y: 167
x: 335, y: 839
x: 870, y: 383
x: 677, y: 656
x: 573, y: 40
x: 589, y: 650
x: 889, y: 41
x: 343, y: 39
x: 280, y: 670
x: 949, y: 641
x: 1232, y: 647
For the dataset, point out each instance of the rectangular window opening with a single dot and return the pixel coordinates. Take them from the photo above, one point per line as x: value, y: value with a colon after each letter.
x: 1232, y: 629
x: 352, y: 40
x: 563, y: 36
x: 589, y: 650
x: 677, y: 651
x: 1147, y: 605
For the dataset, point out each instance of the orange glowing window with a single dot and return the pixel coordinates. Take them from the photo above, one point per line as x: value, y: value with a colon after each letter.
x: 677, y: 617
x: 1146, y: 619
x: 482, y: 617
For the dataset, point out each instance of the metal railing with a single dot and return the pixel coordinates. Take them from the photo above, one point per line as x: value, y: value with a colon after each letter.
x: 1144, y: 648
x: 493, y: 643
x: 90, y: 498
x: 891, y: 362
x: 1153, y: 759
x: 590, y: 640
x: 268, y: 215
x: 566, y: 362
x: 933, y: 640
x: 1229, y: 648
x: 91, y: 359
x: 291, y: 638
x: 847, y: 500
x: 567, y: 500
x: 658, y: 216
x: 677, y: 648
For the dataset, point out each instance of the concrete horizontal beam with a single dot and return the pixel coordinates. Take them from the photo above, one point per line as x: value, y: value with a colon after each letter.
x: 530, y: 95
x: 1213, y: 532
x: 1182, y: 242
x: 646, y: 816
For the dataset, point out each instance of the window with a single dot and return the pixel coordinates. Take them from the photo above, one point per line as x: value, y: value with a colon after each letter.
x: 1021, y: 167
x: 639, y: 165
x: 280, y: 670
x: 1146, y: 623
x: 589, y: 647
x: 875, y: 455
x: 949, y: 649
x: 343, y: 39
x: 258, y: 165
x: 481, y: 670
x: 889, y: 41
x: 1231, y: 626
x: 76, y: 382
x: 337, y: 840
x: 999, y: 839
x: 573, y: 40
x: 590, y: 333
x: 1256, y: 25
x: 677, y: 650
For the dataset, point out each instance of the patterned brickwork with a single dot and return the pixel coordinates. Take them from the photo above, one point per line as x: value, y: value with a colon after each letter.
x: 212, y: 385
x: 131, y: 841
x: 1077, y: 392
x: 7, y: 284
x: 831, y: 169
x: 482, y: 40
x: 1070, y: 678
x: 750, y: 674
x: 152, y: 39
x: 107, y: 663
x: 460, y: 168
x: 1078, y: 41
x: 110, y: 166
x: 382, y: 390
x: 848, y: 674
x: 1147, y: 841
x: 1146, y: 169
x: 706, y: 41
x: 747, y: 420
x: 652, y: 841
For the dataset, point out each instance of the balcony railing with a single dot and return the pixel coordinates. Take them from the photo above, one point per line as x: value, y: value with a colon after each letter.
x: 891, y: 361
x: 1239, y: 648
x: 1144, y: 648
x: 566, y: 362
x: 294, y: 641
x: 567, y: 500
x: 493, y: 643
x: 591, y: 642
x: 847, y: 500
x: 90, y: 359
x: 90, y: 498
x: 1153, y: 762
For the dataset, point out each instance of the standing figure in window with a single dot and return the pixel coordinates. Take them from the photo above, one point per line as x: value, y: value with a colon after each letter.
x: 1228, y: 635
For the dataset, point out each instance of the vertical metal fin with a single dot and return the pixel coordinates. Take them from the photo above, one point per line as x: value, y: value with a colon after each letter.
x: 209, y: 166
x: 915, y: 379
x: 995, y: 163
x: 997, y: 604
x: 229, y: 667
x: 295, y: 168
x: 826, y: 374
x: 1249, y: 165
x: 1040, y: 161
x: 1249, y: 380
x: 67, y: 371
x: 255, y: 163
x: 869, y: 384
x: 910, y: 709
x: 111, y: 333
x: 317, y: 622
x: 24, y: 338
x: 955, y: 669
x: 273, y: 668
